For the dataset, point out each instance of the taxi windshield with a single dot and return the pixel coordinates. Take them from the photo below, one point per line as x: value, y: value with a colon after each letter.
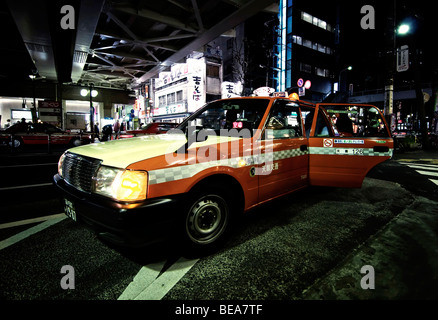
x: 228, y: 114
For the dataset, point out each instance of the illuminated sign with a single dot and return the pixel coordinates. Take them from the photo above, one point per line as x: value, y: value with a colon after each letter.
x: 230, y: 89
x: 264, y: 91
x: 171, y: 109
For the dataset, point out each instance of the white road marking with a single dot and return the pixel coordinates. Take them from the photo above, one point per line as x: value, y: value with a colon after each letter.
x: 146, y: 285
x: 29, y: 221
x: 418, y: 165
x: 23, y: 235
x: 430, y: 170
x: 27, y: 186
x: 427, y: 173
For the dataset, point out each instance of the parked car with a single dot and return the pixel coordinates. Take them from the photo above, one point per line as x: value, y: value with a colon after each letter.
x: 227, y: 158
x: 27, y: 133
x: 150, y: 128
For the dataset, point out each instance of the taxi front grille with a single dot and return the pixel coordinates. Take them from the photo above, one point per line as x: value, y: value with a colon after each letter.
x: 79, y: 171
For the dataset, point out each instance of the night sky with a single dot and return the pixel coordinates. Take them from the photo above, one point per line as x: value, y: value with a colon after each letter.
x: 365, y: 49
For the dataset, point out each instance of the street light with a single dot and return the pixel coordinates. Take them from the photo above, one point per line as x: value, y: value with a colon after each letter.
x: 340, y: 72
x: 85, y: 92
x: 403, y: 29
x: 93, y: 93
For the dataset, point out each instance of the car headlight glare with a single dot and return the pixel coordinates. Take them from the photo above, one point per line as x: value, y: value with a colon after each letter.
x: 119, y: 184
x: 60, y: 161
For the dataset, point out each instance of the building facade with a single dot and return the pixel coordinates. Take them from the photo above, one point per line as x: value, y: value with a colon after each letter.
x: 307, y: 40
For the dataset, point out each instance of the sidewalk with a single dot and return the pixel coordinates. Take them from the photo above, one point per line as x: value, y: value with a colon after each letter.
x: 403, y: 255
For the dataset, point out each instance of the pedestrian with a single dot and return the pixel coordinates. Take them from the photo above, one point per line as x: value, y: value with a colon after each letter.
x: 117, y: 128
x: 107, y: 131
x: 96, y: 130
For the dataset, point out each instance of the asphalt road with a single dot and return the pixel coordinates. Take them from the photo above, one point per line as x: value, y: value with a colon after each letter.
x: 310, y: 245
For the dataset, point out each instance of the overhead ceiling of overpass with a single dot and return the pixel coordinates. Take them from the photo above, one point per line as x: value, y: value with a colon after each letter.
x: 114, y: 43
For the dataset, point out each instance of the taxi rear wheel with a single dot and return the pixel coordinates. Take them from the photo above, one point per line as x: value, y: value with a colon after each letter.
x: 207, y: 220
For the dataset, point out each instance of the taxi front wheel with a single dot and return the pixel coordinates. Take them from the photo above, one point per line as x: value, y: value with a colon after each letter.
x: 207, y: 219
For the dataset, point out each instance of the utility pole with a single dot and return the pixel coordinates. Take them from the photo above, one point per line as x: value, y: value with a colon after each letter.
x: 390, y: 63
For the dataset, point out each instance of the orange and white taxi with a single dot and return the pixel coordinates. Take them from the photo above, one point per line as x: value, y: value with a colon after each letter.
x: 227, y: 158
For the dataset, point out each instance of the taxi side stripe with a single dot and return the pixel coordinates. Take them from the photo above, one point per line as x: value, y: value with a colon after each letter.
x: 349, y: 151
x: 190, y: 170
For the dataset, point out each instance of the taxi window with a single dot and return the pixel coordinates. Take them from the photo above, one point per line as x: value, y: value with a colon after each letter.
x: 323, y: 127
x: 237, y: 114
x: 357, y: 121
x: 284, y: 121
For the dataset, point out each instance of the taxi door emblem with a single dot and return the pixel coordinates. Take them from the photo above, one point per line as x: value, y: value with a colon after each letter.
x: 328, y: 143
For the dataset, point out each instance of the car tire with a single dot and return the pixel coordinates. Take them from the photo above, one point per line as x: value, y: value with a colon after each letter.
x: 207, y: 220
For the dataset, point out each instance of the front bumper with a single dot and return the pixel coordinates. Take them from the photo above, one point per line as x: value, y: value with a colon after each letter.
x: 124, y: 224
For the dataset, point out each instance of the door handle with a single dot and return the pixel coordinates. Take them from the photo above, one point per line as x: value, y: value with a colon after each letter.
x: 303, y: 147
x: 380, y: 149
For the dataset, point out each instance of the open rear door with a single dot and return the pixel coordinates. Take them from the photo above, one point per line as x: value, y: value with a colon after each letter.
x: 345, y: 142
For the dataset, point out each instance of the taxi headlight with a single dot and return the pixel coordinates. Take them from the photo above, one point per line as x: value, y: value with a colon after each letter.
x: 119, y: 184
x: 60, y: 161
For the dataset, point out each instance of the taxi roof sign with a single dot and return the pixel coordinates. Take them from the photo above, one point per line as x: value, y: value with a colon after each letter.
x: 280, y: 94
x: 264, y: 91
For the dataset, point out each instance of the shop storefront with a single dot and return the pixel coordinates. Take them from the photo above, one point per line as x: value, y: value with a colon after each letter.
x: 180, y: 92
x: 77, y: 114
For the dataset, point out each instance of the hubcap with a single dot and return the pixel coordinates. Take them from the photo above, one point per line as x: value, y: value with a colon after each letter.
x: 207, y: 219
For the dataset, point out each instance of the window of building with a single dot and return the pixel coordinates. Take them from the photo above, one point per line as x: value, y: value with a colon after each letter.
x: 179, y: 96
x: 307, y: 43
x: 298, y: 40
x: 304, y: 67
x: 161, y: 101
x: 289, y: 24
x: 171, y: 98
x: 321, y: 48
x: 322, y: 72
x: 315, y: 21
x: 306, y: 17
x: 212, y: 71
x: 322, y: 24
x: 311, y: 45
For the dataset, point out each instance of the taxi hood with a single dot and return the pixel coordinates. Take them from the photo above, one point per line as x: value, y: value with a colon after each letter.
x: 121, y: 153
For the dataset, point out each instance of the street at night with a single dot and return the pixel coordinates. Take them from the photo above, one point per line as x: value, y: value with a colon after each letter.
x: 309, y: 245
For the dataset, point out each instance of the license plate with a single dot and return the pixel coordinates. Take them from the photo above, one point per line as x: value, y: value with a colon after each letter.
x: 69, y: 209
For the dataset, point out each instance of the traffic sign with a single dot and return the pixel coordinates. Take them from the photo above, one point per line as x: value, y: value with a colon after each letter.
x: 403, y: 59
x: 308, y: 84
x: 300, y: 82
